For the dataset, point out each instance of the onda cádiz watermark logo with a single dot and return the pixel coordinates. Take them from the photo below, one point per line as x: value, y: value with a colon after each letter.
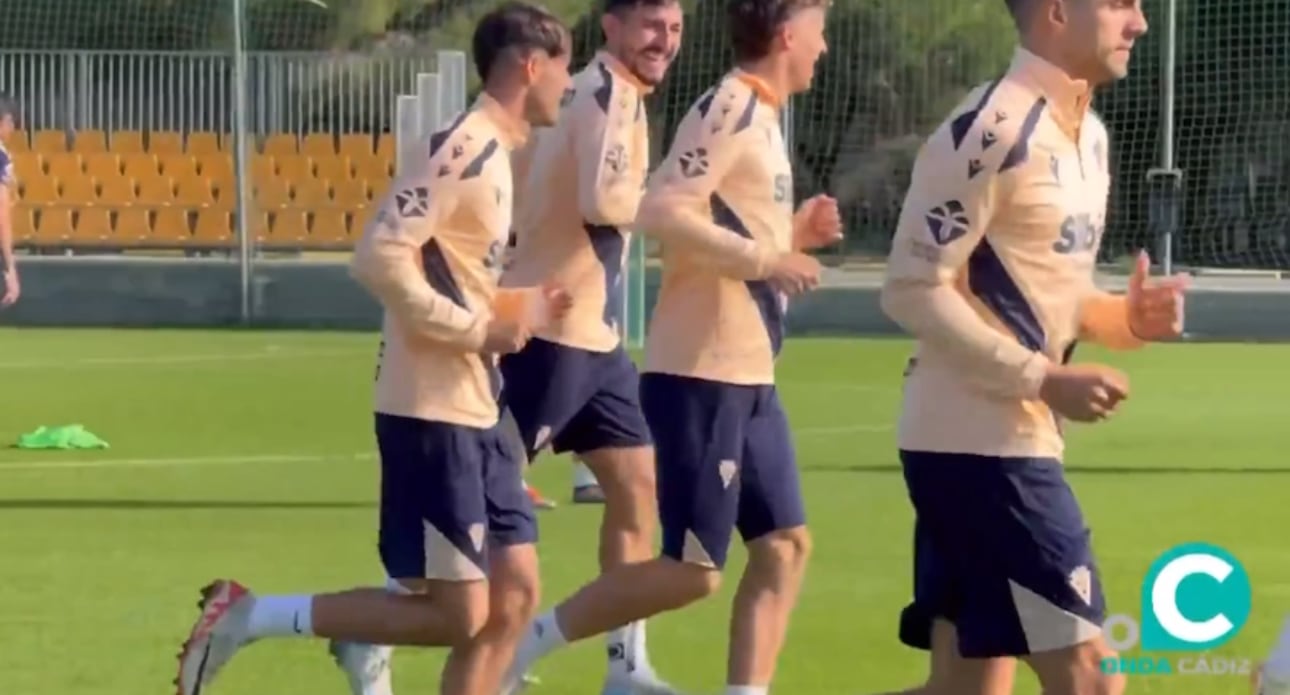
x: 1195, y: 598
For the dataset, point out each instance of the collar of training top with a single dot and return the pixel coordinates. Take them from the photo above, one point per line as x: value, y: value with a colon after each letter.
x: 616, y: 66
x: 1068, y: 99
x: 759, y: 87
x: 514, y: 130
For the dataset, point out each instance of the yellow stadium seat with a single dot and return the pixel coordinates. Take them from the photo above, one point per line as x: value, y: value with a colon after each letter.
x: 64, y: 165
x: 216, y: 167
x: 194, y: 192
x: 279, y: 144
x: 127, y: 141
x: 318, y: 145
x: 177, y: 166
x: 202, y: 144
x: 379, y: 188
x: 20, y: 141
x: 54, y: 228
x: 359, y: 221
x: 355, y: 145
x: 79, y: 190
x: 102, y: 165
x: 333, y: 168
x: 289, y: 228
x: 140, y: 166
x: 295, y: 167
x: 117, y: 190
x: 28, y: 165
x: 312, y: 193
x: 263, y: 166
x: 350, y: 194
x: 42, y: 190
x: 171, y: 227
x: 156, y: 191
x: 371, y: 167
x: 259, y: 227
x: 89, y: 141
x: 49, y: 141
x: 24, y: 228
x: 93, y: 227
x: 385, y: 147
x: 214, y: 228
x: 133, y: 225
x: 164, y: 142
x: 329, y: 229
x: 272, y: 193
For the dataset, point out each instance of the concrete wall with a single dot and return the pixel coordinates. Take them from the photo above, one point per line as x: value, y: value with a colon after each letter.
x: 286, y: 294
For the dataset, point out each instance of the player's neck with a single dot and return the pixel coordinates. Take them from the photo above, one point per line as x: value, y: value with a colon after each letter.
x: 1045, y: 49
x: 773, y: 73
x: 509, y: 99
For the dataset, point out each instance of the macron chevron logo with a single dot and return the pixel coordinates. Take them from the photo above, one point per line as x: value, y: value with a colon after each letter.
x: 948, y: 223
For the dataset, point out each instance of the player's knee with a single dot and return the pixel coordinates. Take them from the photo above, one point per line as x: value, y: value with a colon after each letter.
x: 1078, y: 671
x: 692, y: 581
x: 784, y: 551
x: 466, y: 616
x: 514, y: 605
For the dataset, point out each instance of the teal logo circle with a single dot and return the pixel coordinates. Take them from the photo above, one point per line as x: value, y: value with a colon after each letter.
x: 1196, y: 596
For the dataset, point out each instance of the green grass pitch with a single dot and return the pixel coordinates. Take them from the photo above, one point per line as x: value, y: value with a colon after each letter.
x: 249, y: 454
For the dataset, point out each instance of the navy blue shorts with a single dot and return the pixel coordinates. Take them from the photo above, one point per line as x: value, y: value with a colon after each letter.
x: 1001, y: 550
x: 575, y: 400
x: 725, y: 461
x: 448, y: 492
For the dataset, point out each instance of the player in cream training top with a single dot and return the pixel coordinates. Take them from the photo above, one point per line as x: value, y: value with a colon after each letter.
x: 991, y: 269
x: 453, y: 511
x: 722, y: 206
x: 574, y: 388
x: 8, y: 198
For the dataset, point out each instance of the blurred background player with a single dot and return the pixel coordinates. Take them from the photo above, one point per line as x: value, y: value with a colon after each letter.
x: 573, y: 387
x: 8, y: 198
x: 722, y: 206
x: 991, y: 269
x: 457, y: 532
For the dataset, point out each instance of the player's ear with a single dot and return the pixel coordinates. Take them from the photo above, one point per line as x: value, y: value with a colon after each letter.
x: 1057, y: 12
x: 784, y: 38
x: 532, y: 67
x: 610, y: 24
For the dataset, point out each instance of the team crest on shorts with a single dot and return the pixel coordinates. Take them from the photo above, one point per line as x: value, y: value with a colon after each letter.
x: 476, y: 533
x: 1081, y: 580
x: 727, y: 470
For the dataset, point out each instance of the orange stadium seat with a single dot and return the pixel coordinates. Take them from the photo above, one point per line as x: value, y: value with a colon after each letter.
x: 28, y: 165
x: 318, y: 145
x: 171, y: 227
x: 20, y: 141
x: 93, y: 227
x: 371, y: 168
x: 295, y: 167
x: 49, y: 141
x: 216, y: 167
x: 290, y: 227
x: 385, y: 147
x: 54, y: 227
x: 24, y: 228
x: 272, y: 193
x: 355, y: 145
x: 117, y: 190
x: 177, y: 166
x: 102, y: 165
x: 140, y: 166
x: 263, y: 166
x: 329, y: 229
x: 259, y: 227
x: 157, y: 191
x: 202, y: 143
x: 312, y: 193
x: 164, y: 142
x: 64, y: 164
x: 379, y: 188
x: 214, y: 228
x: 350, y: 194
x: 89, y: 141
x: 359, y: 221
x: 194, y: 192
x: 42, y: 190
x: 279, y: 144
x: 127, y: 141
x: 133, y: 225
x: 79, y: 190
x: 332, y: 168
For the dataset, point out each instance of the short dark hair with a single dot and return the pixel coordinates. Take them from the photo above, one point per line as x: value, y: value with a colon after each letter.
x: 752, y: 23
x: 1020, y: 10
x: 615, y: 6
x: 516, y: 27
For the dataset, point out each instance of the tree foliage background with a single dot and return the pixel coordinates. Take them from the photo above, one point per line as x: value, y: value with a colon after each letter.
x: 894, y: 70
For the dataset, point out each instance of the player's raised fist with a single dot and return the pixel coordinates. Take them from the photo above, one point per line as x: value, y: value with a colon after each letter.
x: 1084, y: 392
x: 505, y: 336
x: 817, y: 223
x: 1155, y: 304
x: 795, y: 273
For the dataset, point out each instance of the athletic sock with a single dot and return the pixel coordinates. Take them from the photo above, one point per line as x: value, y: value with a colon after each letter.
x: 282, y: 616
x: 747, y: 690
x: 582, y: 476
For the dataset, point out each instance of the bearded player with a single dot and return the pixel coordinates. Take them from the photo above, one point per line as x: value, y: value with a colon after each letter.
x: 991, y: 269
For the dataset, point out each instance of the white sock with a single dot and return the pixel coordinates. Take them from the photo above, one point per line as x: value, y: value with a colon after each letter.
x: 747, y: 690
x: 582, y: 475
x: 282, y: 616
x: 546, y: 637
x: 1278, y: 664
x: 626, y: 647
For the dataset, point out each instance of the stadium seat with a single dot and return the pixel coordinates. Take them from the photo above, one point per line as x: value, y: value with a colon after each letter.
x: 103, y: 165
x: 259, y: 226
x: 279, y: 144
x: 311, y: 193
x: 20, y: 141
x: 295, y: 167
x: 216, y: 167
x: 385, y: 147
x: 178, y: 166
x: 79, y: 190
x: 272, y: 193
x: 93, y: 227
x: 24, y: 228
x: 371, y: 167
x: 263, y: 166
x: 359, y: 221
x: 140, y: 166
x: 332, y: 168
x: 165, y: 142
x: 214, y: 228
x: 379, y: 188
x: 171, y: 227
x: 62, y: 165
x: 133, y: 225
x: 289, y: 228
x: 42, y: 190
x: 194, y: 192
x: 27, y: 166
x: 350, y: 194
x: 54, y: 228
x: 156, y: 191
x: 329, y: 229
x: 117, y: 190
x: 203, y: 144
x: 89, y: 141
x: 127, y: 141
x: 355, y: 145
x: 49, y: 141
x: 318, y: 145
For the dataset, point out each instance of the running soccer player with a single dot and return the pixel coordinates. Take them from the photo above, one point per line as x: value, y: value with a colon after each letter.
x: 457, y: 532
x: 991, y: 269
x: 722, y: 205
x: 8, y: 198
x: 574, y: 388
